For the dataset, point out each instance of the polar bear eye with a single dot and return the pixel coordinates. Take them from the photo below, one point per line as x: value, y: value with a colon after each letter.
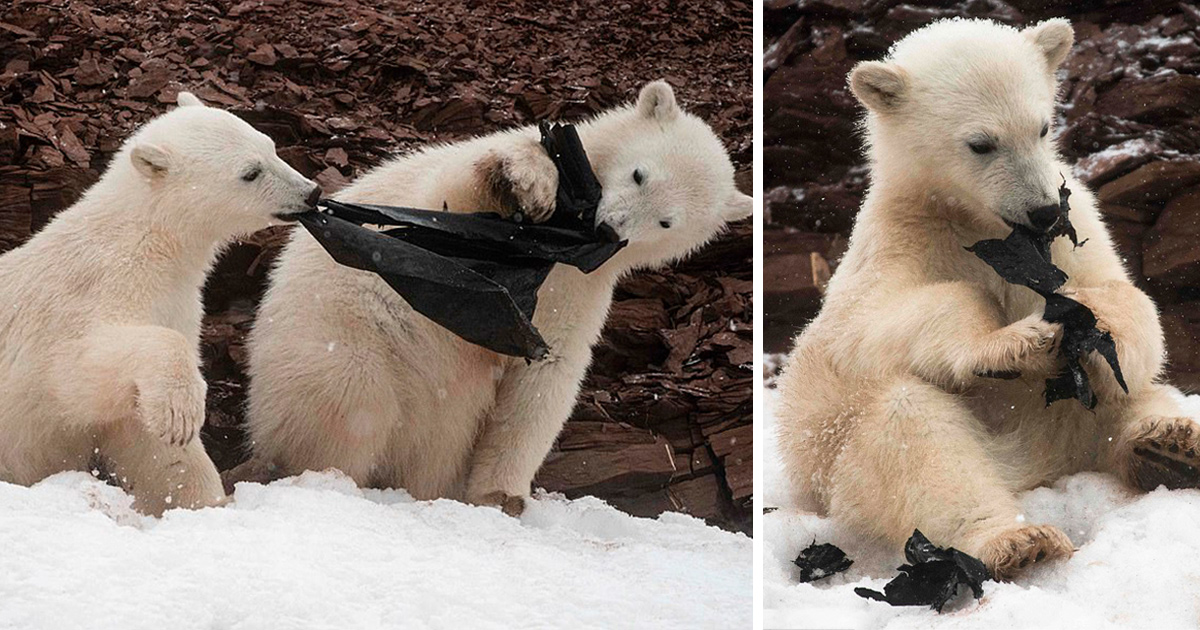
x: 982, y: 147
x: 1045, y: 130
x: 638, y: 178
x: 252, y: 174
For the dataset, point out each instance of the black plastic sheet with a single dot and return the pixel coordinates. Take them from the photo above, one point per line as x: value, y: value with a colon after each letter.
x: 477, y: 275
x: 931, y: 577
x: 1023, y: 258
x: 817, y: 562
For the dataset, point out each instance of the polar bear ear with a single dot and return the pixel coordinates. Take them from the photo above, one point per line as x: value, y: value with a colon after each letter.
x: 738, y: 207
x: 150, y: 160
x: 1054, y: 38
x: 187, y: 99
x: 657, y: 100
x: 878, y: 85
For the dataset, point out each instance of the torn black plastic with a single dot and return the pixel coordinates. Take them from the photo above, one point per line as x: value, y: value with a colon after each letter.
x: 1023, y: 258
x: 477, y: 275
x: 818, y: 562
x: 931, y: 577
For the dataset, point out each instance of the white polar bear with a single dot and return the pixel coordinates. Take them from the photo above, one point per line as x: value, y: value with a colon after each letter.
x: 344, y: 374
x: 886, y: 415
x: 100, y: 311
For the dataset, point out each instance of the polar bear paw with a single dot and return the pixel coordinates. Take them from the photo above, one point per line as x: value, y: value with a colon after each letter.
x: 1009, y: 553
x: 523, y: 179
x: 1164, y: 451
x: 174, y: 411
x: 511, y: 505
x: 1029, y: 346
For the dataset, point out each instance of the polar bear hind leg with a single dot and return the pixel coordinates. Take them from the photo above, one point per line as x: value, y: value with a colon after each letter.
x: 917, y: 460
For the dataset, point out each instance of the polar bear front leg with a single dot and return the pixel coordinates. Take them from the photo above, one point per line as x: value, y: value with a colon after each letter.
x: 1131, y: 317
x: 953, y: 333
x: 147, y: 372
x: 518, y: 178
x: 141, y: 388
x: 160, y: 475
x: 532, y: 404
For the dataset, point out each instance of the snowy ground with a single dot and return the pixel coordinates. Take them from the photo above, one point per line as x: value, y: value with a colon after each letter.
x: 1138, y: 564
x: 317, y: 552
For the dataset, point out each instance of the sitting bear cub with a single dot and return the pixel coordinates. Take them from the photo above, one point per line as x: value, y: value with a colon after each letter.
x: 344, y: 374
x: 887, y: 415
x: 100, y: 324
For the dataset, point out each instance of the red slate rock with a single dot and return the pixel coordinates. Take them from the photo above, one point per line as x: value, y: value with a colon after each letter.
x: 264, y: 55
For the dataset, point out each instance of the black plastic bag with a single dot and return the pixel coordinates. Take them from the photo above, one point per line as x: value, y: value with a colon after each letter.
x: 817, y: 562
x: 1023, y: 258
x: 478, y: 274
x: 931, y: 577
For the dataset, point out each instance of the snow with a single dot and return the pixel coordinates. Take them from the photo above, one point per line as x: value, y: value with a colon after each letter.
x: 1138, y: 563
x: 315, y: 551
x: 1136, y: 150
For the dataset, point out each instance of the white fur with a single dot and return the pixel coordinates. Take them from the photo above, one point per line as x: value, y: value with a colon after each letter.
x: 344, y: 374
x: 885, y: 417
x: 100, y: 311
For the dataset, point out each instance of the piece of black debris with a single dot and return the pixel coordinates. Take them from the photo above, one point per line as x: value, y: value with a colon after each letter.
x: 476, y: 275
x: 1023, y: 258
x: 817, y: 562
x: 931, y: 577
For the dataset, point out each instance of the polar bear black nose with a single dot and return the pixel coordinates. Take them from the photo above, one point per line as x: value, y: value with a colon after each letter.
x: 313, y: 197
x: 606, y: 232
x: 1044, y: 218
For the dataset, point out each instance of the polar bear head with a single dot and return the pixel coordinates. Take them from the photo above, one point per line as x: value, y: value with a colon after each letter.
x: 667, y: 180
x: 213, y: 175
x: 962, y: 111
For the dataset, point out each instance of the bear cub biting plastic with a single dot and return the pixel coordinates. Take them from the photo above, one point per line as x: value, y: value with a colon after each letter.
x: 344, y: 374
x: 100, y: 324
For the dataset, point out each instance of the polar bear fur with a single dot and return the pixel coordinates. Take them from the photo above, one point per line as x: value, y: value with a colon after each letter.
x: 100, y: 323
x: 344, y: 374
x: 885, y: 418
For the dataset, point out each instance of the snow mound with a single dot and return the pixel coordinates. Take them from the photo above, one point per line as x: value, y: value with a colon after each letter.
x: 1138, y: 563
x: 315, y: 551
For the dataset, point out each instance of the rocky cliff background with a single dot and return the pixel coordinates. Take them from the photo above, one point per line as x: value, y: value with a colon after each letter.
x: 664, y: 419
x: 1130, y: 124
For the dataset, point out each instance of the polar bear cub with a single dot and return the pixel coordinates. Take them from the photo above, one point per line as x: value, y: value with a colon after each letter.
x: 344, y: 374
x: 888, y: 416
x: 100, y: 323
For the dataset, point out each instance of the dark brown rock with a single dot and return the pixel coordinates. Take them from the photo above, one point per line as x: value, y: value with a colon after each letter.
x: 614, y: 469
x: 1172, y: 247
x: 1151, y: 185
x: 699, y: 496
x: 1181, y: 328
x: 1158, y: 98
x: 794, y: 264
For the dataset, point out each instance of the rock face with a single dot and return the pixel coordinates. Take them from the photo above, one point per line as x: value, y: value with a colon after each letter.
x: 1130, y: 124
x: 663, y: 420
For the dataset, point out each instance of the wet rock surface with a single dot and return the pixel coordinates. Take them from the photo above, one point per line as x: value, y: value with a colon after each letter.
x: 1129, y: 123
x: 663, y: 421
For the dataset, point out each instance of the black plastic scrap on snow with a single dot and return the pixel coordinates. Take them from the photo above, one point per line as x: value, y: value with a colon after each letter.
x: 817, y: 562
x: 931, y: 577
x: 1024, y: 258
x: 477, y: 275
